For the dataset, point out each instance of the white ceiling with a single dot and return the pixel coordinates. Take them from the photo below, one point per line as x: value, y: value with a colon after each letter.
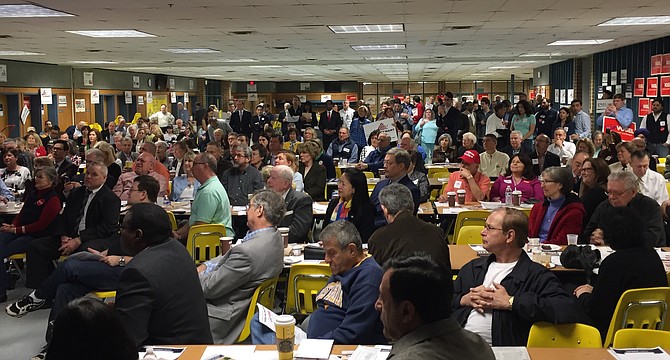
x: 502, y: 31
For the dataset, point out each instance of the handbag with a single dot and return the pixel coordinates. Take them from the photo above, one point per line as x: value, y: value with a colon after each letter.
x: 581, y: 257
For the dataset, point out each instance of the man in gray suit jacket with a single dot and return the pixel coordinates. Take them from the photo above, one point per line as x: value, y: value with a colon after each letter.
x: 299, y: 215
x: 229, y: 280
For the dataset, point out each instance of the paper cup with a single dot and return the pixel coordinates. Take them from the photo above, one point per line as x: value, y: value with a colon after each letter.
x: 285, y: 333
x: 572, y: 239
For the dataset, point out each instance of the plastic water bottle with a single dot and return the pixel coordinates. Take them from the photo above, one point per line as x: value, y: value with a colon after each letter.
x: 508, y: 196
x: 166, y: 200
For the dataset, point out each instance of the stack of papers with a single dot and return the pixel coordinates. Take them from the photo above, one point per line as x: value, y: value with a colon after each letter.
x: 640, y: 354
x: 314, y: 349
x: 510, y: 353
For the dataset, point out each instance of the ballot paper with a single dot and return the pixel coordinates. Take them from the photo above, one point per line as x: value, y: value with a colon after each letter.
x: 510, y: 353
x: 640, y: 354
x: 267, y: 318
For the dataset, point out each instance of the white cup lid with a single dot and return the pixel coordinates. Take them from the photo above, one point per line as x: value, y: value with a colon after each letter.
x: 285, y: 320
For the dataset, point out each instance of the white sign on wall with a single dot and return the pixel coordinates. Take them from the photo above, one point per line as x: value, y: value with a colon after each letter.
x: 95, y: 97
x: 136, y: 82
x: 128, y: 97
x: 88, y: 79
x: 46, y: 96
x: 186, y: 98
x: 3, y: 73
x: 150, y: 97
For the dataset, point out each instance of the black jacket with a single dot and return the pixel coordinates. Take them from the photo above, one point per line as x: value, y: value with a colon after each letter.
x: 550, y: 159
x: 361, y: 217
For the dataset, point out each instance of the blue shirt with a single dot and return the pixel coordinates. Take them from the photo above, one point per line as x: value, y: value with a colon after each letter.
x: 554, y: 206
x: 624, y: 116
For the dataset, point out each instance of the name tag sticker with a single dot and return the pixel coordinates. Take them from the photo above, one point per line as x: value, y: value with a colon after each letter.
x: 661, y: 123
x: 346, y: 150
x: 458, y: 184
x: 507, y: 181
x: 536, y: 162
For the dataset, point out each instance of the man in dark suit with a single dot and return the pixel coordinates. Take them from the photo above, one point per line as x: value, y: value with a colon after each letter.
x: 396, y: 161
x: 299, y: 215
x: 514, y: 147
x: 447, y: 119
x: 329, y: 124
x: 64, y: 168
x: 541, y: 158
x: 108, y: 133
x: 258, y: 122
x: 159, y: 299
x: 90, y: 220
x: 240, y: 119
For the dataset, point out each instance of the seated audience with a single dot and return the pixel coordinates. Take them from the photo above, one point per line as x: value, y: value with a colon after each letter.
x: 561, y: 213
x: 372, y: 145
x: 185, y: 186
x: 259, y: 155
x: 151, y: 311
x: 518, y: 177
x: 586, y: 145
x: 292, y: 141
x: 493, y: 162
x: 299, y: 214
x: 13, y: 174
x: 468, y: 178
x: 229, y: 280
x: 541, y: 158
x: 313, y: 173
x: 399, y: 237
x: 375, y: 159
x: 241, y: 180
x: 652, y: 184
x: 288, y: 158
x: 352, y: 203
x: 515, y: 144
x: 179, y: 149
x: 215, y: 149
x: 412, y: 298
x: 418, y: 178
x: 562, y: 147
x: 444, y: 150
x: 633, y: 265
x: 623, y: 191
x: 343, y: 147
x: 623, y: 153
x: 397, y: 162
x: 65, y: 168
x: 151, y: 148
x: 501, y: 296
x: 108, y: 158
x: 469, y: 143
x: 593, y: 189
x: 126, y: 154
x: 144, y: 165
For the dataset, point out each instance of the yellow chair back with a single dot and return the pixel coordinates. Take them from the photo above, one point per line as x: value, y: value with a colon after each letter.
x: 546, y: 335
x: 173, y: 220
x: 641, y: 338
x: 203, y: 241
x: 437, y: 170
x: 369, y: 174
x: 470, y: 217
x: 440, y: 174
x: 264, y: 295
x: 102, y: 295
x: 640, y: 309
x: 469, y: 234
x: 305, y: 281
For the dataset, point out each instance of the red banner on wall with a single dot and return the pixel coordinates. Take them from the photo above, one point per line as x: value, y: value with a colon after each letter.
x: 638, y: 88
x: 656, y: 64
x: 352, y: 98
x: 613, y: 125
x: 652, y: 87
x: 643, y: 107
x: 665, y: 85
x: 665, y: 67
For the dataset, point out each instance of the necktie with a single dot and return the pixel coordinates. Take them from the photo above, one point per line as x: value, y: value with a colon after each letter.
x: 87, y: 193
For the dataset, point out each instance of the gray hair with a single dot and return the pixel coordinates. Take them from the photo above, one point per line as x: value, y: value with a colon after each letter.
x: 628, y: 178
x: 447, y: 136
x: 274, y: 206
x: 396, y: 198
x: 50, y: 173
x: 126, y: 139
x: 285, y: 172
x: 470, y: 136
x: 209, y: 160
x: 401, y: 156
x: 161, y: 144
x: 132, y: 126
x: 516, y: 132
x: 99, y: 164
x: 560, y: 175
x: 96, y: 153
x: 246, y: 150
x: 344, y: 232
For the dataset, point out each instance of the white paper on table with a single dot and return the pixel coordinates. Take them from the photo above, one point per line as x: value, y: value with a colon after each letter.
x: 265, y: 355
x: 556, y: 260
x: 164, y: 352
x: 235, y: 352
x: 379, y: 352
x: 267, y: 318
x: 319, y: 208
x: 640, y: 354
x: 314, y: 349
x: 453, y: 210
x: 510, y: 353
x: 441, y: 204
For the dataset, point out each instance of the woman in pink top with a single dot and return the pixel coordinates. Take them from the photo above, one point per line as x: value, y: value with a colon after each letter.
x: 520, y: 177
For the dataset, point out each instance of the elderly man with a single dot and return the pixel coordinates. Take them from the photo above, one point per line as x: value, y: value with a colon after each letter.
x: 90, y: 220
x: 146, y: 302
x: 561, y: 147
x: 241, y: 180
x: 396, y: 161
x: 468, y: 178
x: 576, y: 167
x: 412, y: 298
x: 214, y: 148
x: 343, y: 147
x: 163, y: 118
x: 541, y: 158
x: 514, y: 147
x: 299, y: 215
x: 211, y: 204
x: 493, y: 162
x: 152, y: 148
x: 215, y: 123
x: 144, y: 165
x: 375, y: 159
x: 161, y: 155
x: 179, y: 149
x: 623, y: 190
x: 501, y: 296
x: 399, y: 236
x: 77, y: 277
x: 126, y: 153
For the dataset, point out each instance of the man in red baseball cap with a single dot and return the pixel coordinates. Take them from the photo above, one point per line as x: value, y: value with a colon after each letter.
x: 468, y: 178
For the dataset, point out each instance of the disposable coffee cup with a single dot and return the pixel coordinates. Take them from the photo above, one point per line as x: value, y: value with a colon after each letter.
x: 285, y: 333
x: 382, y: 173
x: 129, y: 164
x: 296, y: 250
x: 284, y: 234
x: 451, y: 198
x: 516, y: 198
x: 572, y: 239
x: 460, y: 196
x: 225, y: 243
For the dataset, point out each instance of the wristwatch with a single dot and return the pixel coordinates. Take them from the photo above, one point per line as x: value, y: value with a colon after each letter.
x: 122, y: 263
x: 511, y: 302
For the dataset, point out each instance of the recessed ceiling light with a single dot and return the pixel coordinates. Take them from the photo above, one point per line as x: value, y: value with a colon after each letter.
x: 17, y: 53
x: 361, y: 29
x: 93, y: 62
x: 637, y: 20
x: 579, y: 42
x: 15, y: 11
x: 519, y: 62
x: 191, y: 51
x: 540, y: 54
x: 378, y: 47
x: 505, y: 67
x: 112, y: 33
x: 402, y: 57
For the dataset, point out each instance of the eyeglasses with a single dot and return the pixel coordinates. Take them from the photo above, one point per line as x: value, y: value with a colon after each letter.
x: 547, y: 181
x: 131, y: 190
x: 488, y: 227
x: 615, y: 193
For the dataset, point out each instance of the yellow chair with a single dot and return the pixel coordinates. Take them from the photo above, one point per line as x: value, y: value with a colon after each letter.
x: 437, y: 170
x: 173, y: 220
x: 469, y: 234
x: 547, y: 335
x: 369, y: 174
x: 470, y: 217
x: 661, y: 160
x: 104, y: 295
x: 338, y: 172
x: 265, y: 295
x: 440, y: 174
x: 305, y: 281
x: 13, y: 262
x: 640, y: 309
x: 435, y: 194
x: 203, y: 241
x: 640, y: 338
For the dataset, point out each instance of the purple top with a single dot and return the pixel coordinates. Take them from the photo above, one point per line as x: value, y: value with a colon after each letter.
x: 529, y: 188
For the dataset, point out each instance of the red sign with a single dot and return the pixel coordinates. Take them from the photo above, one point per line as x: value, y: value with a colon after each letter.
x: 652, y: 87
x: 643, y: 107
x: 665, y: 85
x: 665, y: 66
x: 613, y: 125
x: 481, y: 96
x: 352, y: 98
x: 638, y: 88
x: 656, y: 64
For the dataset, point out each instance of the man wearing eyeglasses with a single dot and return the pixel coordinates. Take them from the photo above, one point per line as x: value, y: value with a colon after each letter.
x: 64, y: 167
x: 144, y: 165
x: 623, y: 190
x: 501, y: 296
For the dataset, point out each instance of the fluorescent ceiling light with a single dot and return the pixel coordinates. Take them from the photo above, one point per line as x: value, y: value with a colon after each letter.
x: 402, y: 57
x: 378, y: 47
x: 17, y: 53
x: 265, y: 66
x: 111, y: 33
x: 191, y: 51
x: 540, y: 54
x: 579, y: 42
x: 238, y: 60
x: 637, y: 20
x: 93, y: 62
x: 362, y: 29
x: 519, y: 62
x: 22, y: 11
x: 504, y: 67
x: 210, y: 75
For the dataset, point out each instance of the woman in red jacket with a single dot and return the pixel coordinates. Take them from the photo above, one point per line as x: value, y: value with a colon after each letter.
x: 562, y: 211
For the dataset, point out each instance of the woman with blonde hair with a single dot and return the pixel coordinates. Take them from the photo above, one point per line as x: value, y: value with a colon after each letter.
x: 34, y: 144
x: 109, y: 159
x: 287, y: 157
